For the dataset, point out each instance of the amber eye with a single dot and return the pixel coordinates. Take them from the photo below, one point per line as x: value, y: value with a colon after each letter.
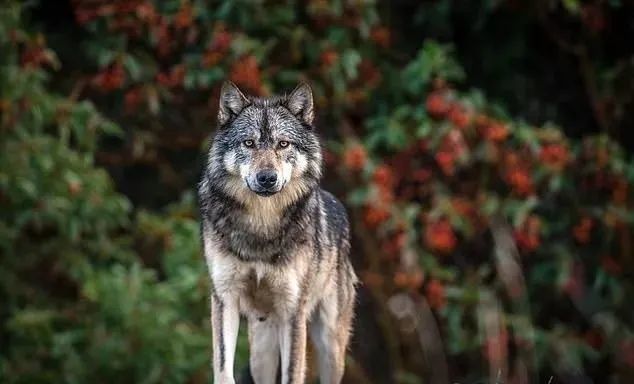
x: 283, y: 144
x: 248, y: 143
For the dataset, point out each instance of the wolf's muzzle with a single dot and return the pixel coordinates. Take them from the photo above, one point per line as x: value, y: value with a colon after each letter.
x: 266, y: 179
x: 265, y: 183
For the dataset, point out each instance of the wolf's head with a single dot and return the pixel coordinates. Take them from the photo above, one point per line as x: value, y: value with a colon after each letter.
x: 266, y: 146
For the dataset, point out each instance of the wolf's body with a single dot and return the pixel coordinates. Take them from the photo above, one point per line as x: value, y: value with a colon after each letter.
x: 276, y: 244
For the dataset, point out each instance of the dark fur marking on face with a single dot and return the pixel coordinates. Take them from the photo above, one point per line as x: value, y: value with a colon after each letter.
x: 290, y: 157
x: 265, y: 131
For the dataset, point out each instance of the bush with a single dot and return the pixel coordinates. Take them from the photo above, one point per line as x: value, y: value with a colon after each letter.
x: 515, y: 235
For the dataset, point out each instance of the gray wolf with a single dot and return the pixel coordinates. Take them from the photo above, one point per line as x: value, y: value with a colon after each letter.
x: 276, y: 244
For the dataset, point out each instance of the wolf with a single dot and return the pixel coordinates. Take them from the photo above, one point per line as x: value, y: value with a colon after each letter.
x: 276, y: 244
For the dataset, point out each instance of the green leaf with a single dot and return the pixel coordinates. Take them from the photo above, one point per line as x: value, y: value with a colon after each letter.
x: 350, y: 61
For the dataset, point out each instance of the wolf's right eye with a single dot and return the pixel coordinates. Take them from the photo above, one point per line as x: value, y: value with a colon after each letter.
x: 248, y: 143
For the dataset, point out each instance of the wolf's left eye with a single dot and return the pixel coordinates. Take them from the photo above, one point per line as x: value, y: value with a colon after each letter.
x: 248, y: 143
x: 283, y: 144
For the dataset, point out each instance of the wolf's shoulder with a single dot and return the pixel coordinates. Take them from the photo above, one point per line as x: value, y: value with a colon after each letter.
x: 336, y: 214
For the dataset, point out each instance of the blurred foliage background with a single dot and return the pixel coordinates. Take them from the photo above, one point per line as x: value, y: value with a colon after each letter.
x: 482, y: 148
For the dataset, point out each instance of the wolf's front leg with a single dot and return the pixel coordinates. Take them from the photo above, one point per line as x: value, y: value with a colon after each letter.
x: 225, y: 321
x: 293, y: 348
x: 264, y: 350
x: 329, y: 330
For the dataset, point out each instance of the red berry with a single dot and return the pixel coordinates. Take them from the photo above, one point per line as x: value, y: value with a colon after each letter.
x: 437, y: 105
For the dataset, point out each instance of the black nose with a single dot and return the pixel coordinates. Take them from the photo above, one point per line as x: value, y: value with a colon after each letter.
x: 266, y: 178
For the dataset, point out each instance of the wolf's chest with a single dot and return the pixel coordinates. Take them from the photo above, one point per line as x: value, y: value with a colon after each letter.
x: 248, y: 242
x: 261, y: 290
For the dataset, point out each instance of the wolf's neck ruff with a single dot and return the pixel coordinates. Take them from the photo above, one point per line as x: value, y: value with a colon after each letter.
x: 240, y: 231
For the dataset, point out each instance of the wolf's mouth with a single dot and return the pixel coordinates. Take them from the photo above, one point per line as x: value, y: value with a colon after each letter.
x: 263, y: 192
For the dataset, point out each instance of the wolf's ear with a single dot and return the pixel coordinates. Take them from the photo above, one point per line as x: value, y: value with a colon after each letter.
x: 232, y: 101
x: 300, y: 103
